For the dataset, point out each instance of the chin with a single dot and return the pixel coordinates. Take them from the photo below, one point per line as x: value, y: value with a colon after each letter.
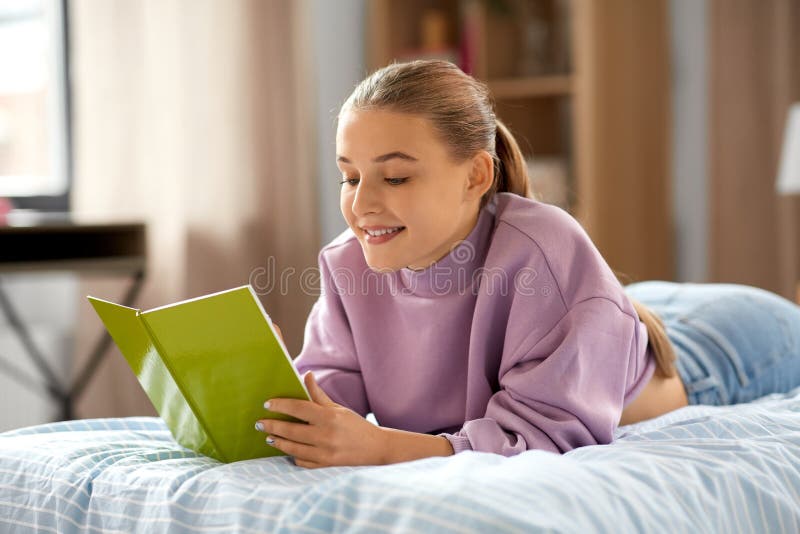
x: 377, y: 262
x: 382, y: 266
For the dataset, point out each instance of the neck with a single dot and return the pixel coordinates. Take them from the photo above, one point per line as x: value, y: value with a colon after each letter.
x: 454, y: 272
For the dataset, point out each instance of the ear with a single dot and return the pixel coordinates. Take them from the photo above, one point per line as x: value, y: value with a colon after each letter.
x: 481, y: 176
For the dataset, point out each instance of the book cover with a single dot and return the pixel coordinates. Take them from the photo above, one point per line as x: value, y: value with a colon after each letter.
x: 208, y: 364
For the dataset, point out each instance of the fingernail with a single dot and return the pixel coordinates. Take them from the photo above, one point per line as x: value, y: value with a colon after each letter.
x: 259, y: 426
x: 269, y: 440
x: 266, y: 405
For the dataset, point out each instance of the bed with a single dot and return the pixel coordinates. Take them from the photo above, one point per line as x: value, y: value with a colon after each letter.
x: 697, y: 469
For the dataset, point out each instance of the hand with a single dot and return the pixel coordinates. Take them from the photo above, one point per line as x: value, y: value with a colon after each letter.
x: 334, y: 435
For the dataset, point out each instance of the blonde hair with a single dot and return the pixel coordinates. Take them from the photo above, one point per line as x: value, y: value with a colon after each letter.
x: 459, y: 107
x: 461, y: 110
x: 663, y: 351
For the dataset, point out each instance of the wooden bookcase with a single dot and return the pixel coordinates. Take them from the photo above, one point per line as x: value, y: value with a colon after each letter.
x: 584, y: 88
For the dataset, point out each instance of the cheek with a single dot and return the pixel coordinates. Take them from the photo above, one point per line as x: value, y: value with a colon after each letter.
x: 432, y: 208
x: 345, y: 204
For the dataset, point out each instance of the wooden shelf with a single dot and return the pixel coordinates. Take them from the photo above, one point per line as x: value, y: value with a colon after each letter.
x: 595, y: 97
x: 531, y: 86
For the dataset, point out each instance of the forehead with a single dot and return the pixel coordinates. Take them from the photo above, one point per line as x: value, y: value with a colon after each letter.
x: 364, y: 134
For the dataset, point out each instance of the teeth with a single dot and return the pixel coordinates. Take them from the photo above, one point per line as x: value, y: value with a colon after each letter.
x: 376, y: 233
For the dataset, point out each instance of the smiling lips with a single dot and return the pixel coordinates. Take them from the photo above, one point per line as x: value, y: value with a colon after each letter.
x: 375, y: 235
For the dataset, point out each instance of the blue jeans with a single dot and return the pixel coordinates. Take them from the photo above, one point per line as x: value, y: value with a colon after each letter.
x: 734, y: 343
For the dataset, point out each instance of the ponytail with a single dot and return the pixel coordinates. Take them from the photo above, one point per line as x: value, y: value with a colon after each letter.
x: 663, y: 352
x: 510, y: 170
x: 657, y: 338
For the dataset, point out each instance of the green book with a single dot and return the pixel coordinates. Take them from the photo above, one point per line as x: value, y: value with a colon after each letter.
x: 208, y: 364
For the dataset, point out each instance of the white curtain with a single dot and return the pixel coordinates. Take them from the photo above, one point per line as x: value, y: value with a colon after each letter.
x: 194, y: 116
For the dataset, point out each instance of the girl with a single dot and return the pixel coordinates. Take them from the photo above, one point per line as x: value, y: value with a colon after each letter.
x: 467, y: 316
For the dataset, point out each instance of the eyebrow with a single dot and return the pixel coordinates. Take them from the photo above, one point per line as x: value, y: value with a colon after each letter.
x: 384, y: 157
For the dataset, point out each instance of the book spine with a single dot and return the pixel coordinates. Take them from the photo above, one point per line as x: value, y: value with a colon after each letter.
x: 189, y: 400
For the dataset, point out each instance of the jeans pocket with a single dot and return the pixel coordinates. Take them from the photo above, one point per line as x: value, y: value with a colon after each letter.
x: 706, y: 391
x: 700, y: 375
x: 723, y: 346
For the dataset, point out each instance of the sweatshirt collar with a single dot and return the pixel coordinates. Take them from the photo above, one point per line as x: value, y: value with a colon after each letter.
x: 454, y: 273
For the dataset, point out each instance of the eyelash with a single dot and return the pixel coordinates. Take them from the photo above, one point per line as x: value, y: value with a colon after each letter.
x: 390, y: 181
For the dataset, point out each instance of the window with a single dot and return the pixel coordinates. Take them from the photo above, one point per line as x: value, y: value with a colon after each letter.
x: 34, y: 111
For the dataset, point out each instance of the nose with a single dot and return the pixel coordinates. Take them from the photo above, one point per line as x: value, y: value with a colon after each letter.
x: 366, y: 200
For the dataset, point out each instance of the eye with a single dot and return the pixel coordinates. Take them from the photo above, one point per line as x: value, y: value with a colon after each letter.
x: 349, y: 181
x: 396, y: 181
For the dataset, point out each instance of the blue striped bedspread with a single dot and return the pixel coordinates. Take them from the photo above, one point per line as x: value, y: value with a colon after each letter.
x: 698, y: 469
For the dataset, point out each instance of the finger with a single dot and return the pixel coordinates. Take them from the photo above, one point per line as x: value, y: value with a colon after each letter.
x: 278, y: 331
x: 318, y: 395
x: 307, y: 464
x: 301, y: 409
x: 292, y: 448
x: 299, y: 432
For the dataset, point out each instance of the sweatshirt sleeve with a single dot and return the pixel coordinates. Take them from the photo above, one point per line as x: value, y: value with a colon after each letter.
x: 561, y: 392
x: 328, y: 349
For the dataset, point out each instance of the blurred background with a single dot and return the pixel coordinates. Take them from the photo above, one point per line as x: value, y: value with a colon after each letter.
x: 207, y: 127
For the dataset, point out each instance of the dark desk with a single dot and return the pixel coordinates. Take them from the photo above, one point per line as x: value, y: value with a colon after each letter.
x: 56, y: 241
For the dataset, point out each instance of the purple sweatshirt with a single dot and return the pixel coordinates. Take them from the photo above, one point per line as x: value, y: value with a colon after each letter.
x: 520, y: 338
